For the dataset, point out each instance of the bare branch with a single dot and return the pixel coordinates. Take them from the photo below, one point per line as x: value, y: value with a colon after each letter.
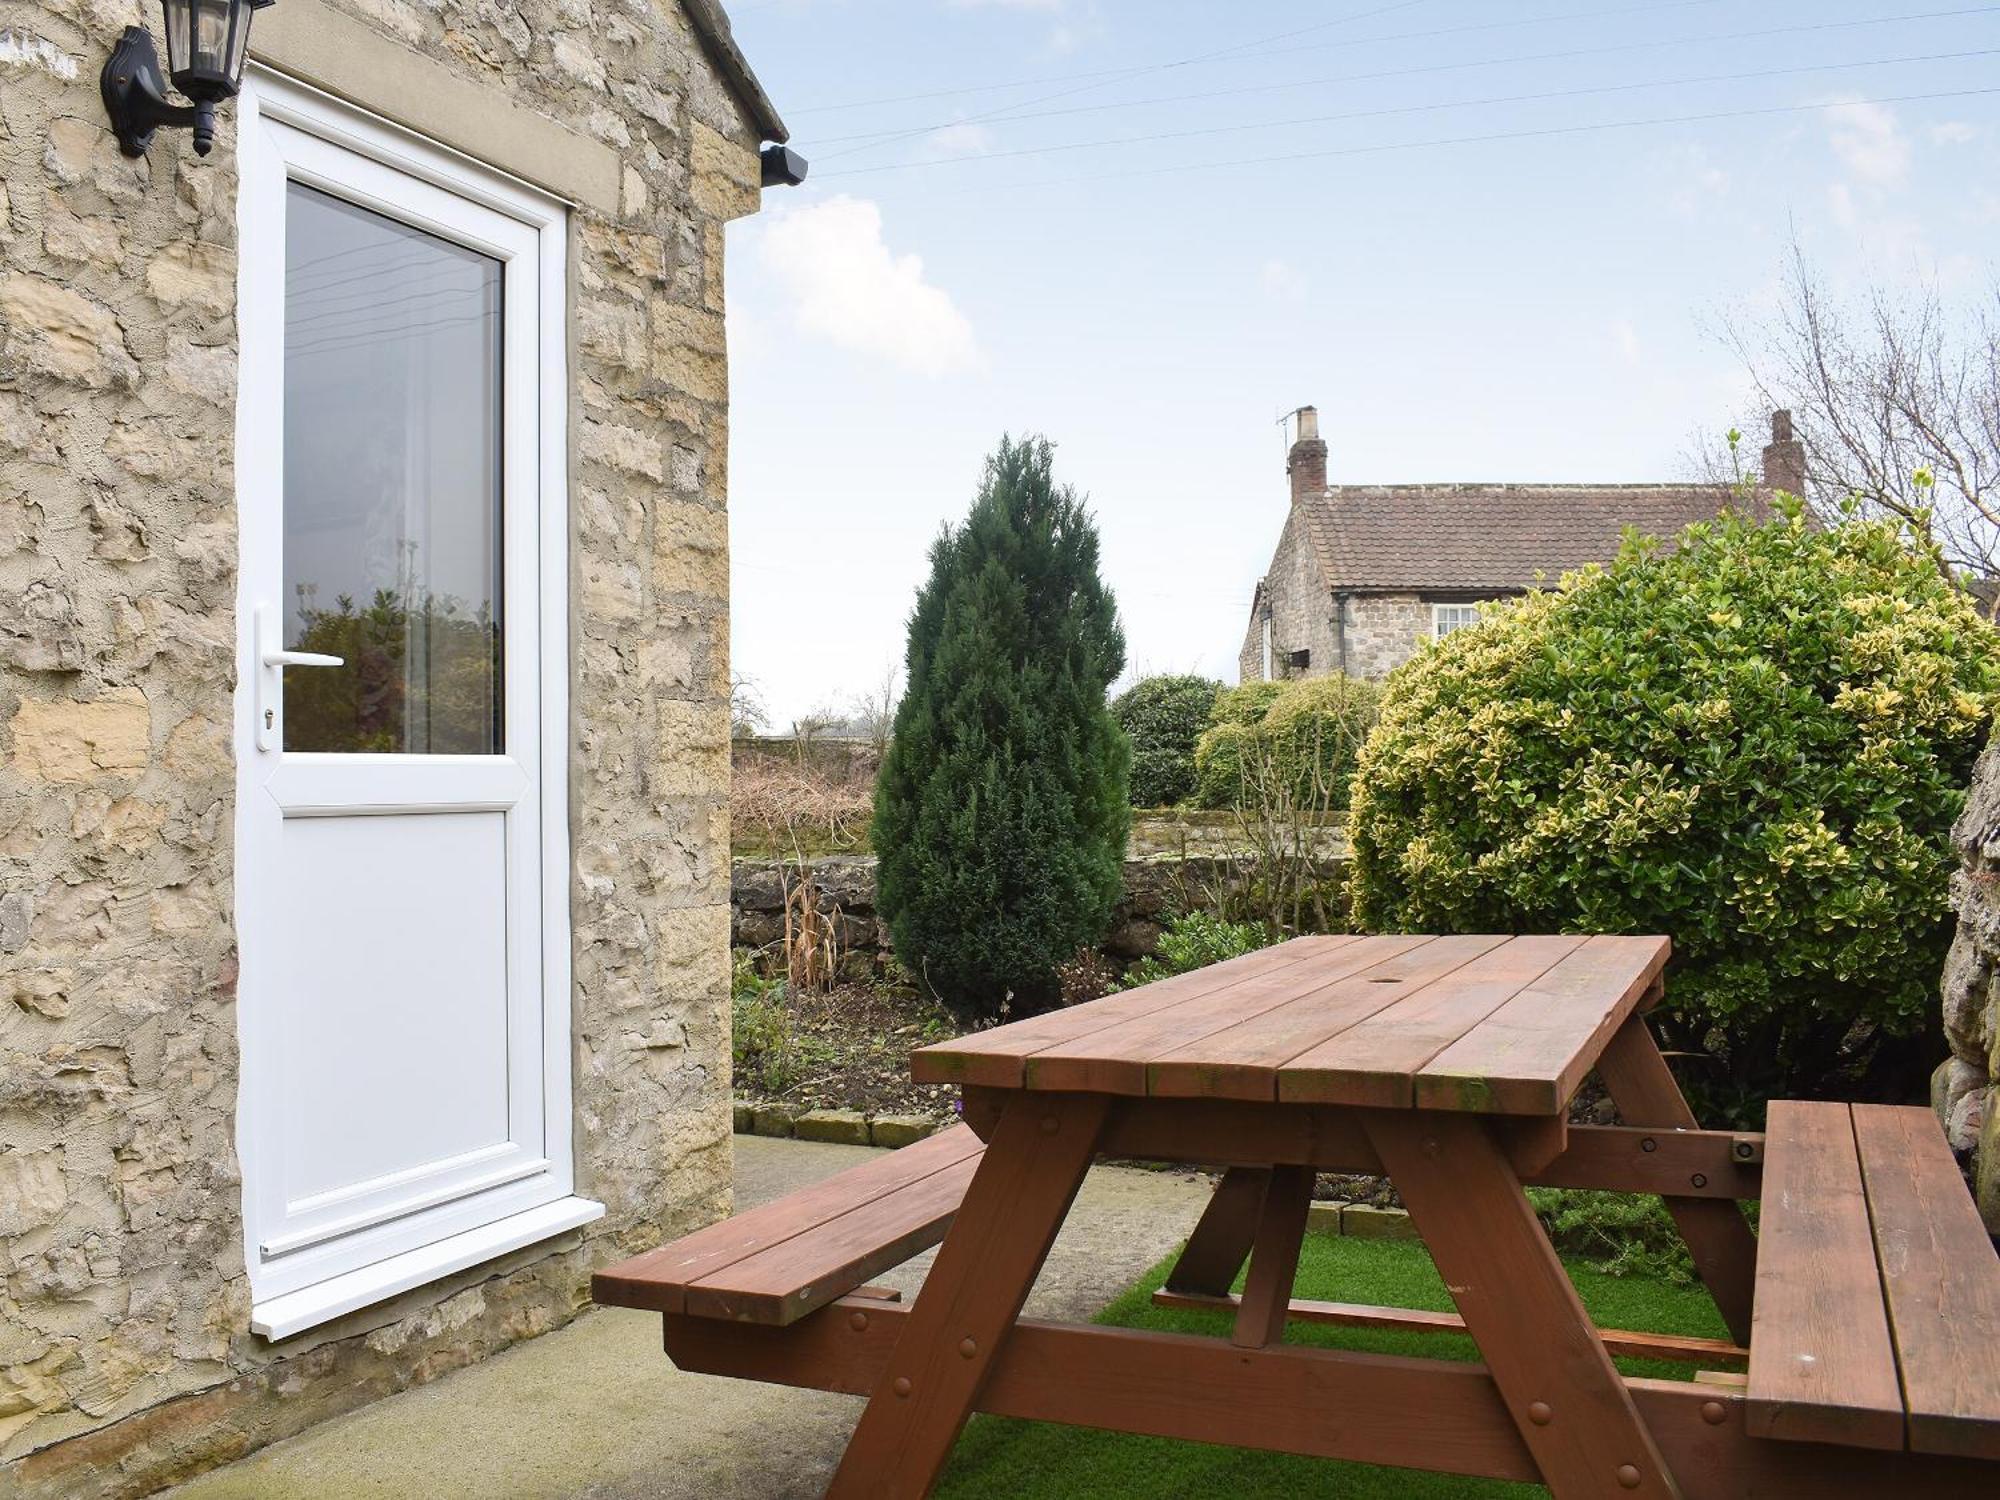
x: 1897, y: 400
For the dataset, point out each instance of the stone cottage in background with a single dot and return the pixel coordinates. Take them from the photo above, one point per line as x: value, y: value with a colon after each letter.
x: 364, y: 908
x: 1362, y: 573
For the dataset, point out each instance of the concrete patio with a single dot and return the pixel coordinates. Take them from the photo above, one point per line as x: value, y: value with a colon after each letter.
x: 594, y: 1410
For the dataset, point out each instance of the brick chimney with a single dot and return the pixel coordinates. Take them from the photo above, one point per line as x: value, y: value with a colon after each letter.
x: 1784, y: 457
x: 1306, y: 463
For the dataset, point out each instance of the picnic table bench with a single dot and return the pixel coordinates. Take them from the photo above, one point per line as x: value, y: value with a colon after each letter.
x: 1867, y: 1307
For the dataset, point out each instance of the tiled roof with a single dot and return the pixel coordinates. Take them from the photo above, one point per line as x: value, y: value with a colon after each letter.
x: 1449, y: 537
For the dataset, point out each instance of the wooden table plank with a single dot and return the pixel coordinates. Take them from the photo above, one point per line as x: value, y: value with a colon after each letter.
x: 1113, y: 1061
x: 1222, y: 1238
x: 1274, y: 1258
x: 1438, y: 1415
x: 1822, y: 1368
x: 783, y: 1282
x: 1529, y: 1056
x: 966, y: 1310
x: 994, y: 1057
x: 1940, y: 1278
x: 1566, y: 1397
x: 1624, y: 1343
x: 657, y: 1279
x: 1375, y: 1061
x: 1717, y: 1236
x: 1242, y: 1058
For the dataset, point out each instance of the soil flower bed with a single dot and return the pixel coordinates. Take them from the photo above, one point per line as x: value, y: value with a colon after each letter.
x: 848, y: 1048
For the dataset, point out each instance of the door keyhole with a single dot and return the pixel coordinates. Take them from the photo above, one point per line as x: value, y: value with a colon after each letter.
x: 270, y: 718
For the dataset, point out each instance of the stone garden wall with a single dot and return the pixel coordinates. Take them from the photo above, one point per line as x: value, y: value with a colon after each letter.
x: 1155, y: 890
x: 126, y: 1358
x: 1966, y: 1087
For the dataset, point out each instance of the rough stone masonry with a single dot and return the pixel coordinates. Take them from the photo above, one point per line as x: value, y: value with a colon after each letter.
x: 1966, y: 1087
x: 126, y: 1359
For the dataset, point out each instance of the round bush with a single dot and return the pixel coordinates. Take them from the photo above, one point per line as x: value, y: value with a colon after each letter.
x: 1318, y: 727
x: 1163, y: 717
x: 1295, y: 742
x: 1218, y: 754
x: 1755, y: 744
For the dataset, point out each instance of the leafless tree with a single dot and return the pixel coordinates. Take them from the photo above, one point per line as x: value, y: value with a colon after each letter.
x: 874, y: 712
x: 808, y: 727
x: 1896, y: 396
x: 746, y: 708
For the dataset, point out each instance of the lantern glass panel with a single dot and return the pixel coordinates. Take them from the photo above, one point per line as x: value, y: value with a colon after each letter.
x: 239, y: 43
x: 211, y: 34
x: 180, y: 33
x: 211, y: 40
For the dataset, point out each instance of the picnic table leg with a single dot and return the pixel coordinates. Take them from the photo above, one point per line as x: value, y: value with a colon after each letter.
x: 1034, y: 1163
x: 1274, y: 1262
x: 1717, y: 1235
x: 1222, y: 1237
x: 1572, y: 1407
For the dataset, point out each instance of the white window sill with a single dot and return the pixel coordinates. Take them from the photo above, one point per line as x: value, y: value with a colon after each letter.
x: 280, y: 1317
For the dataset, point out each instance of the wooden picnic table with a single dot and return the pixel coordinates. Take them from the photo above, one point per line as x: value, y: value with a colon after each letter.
x: 1448, y: 1063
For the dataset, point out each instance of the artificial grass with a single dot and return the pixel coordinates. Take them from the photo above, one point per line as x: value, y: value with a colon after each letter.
x: 1002, y: 1459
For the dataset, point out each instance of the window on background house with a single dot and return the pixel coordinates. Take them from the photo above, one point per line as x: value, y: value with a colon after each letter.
x: 1445, y: 618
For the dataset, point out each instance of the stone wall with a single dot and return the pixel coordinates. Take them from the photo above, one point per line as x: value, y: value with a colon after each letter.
x: 1155, y: 889
x: 1383, y: 631
x: 1966, y: 1086
x: 1177, y: 831
x: 1301, y: 611
x: 125, y: 1354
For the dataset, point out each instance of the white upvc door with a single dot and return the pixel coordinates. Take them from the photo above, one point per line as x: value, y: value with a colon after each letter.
x: 401, y: 817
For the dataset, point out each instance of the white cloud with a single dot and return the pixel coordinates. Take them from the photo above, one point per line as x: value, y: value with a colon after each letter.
x: 1868, y: 140
x: 1282, y: 279
x: 1840, y: 203
x: 964, y: 139
x: 1626, y: 337
x: 1953, y: 133
x: 849, y: 289
x: 1690, y: 178
x: 1076, y: 23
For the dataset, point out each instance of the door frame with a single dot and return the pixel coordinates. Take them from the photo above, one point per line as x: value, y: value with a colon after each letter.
x: 310, y: 1287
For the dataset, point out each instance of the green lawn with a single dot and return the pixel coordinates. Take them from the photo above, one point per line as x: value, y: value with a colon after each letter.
x: 999, y: 1457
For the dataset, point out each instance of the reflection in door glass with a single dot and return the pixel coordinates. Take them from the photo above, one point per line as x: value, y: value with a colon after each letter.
x: 392, y: 484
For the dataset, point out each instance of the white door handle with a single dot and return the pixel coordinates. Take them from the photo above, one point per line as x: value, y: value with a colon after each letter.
x: 301, y: 659
x: 271, y: 658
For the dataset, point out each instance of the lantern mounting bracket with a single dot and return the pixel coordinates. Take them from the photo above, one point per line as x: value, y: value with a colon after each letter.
x: 135, y: 96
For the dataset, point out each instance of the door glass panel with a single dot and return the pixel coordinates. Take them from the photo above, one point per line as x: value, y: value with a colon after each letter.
x: 392, y: 484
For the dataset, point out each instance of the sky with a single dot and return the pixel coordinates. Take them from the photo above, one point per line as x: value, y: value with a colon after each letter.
x: 1487, y: 241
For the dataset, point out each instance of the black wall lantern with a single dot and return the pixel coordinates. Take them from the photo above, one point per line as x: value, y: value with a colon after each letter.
x: 207, y: 41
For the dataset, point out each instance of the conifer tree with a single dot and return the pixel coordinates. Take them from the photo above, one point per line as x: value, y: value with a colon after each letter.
x: 1001, y: 811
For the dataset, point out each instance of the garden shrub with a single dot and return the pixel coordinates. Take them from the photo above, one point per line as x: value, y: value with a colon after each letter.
x: 1163, y: 717
x: 764, y: 1044
x: 1002, y: 810
x: 1296, y: 742
x: 1088, y: 975
x: 1620, y: 1234
x: 1755, y: 744
x: 1195, y: 941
